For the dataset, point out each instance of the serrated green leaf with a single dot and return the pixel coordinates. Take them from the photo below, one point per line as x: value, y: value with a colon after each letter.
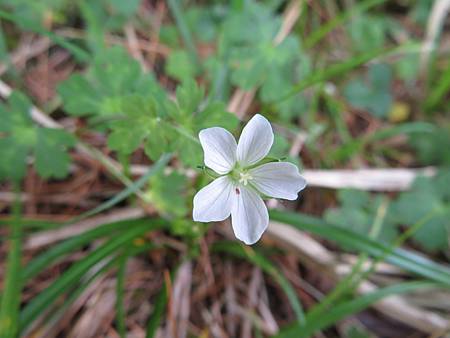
x: 189, y: 97
x: 20, y: 138
x: 51, y: 157
x: 79, y: 96
x: 141, y: 123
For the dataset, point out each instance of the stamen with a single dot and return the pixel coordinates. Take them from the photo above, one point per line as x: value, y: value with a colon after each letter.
x: 244, y: 178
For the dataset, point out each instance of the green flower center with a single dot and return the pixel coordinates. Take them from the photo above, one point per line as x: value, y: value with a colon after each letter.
x: 241, y: 175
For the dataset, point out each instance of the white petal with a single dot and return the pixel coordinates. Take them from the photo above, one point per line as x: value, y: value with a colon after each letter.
x: 214, y: 202
x: 219, y: 147
x: 255, y: 141
x: 249, y: 216
x: 278, y: 179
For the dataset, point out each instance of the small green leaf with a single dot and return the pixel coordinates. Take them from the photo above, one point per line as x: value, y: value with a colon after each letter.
x: 51, y: 157
x: 20, y: 138
x: 373, y: 94
x: 429, y: 202
x: 180, y: 66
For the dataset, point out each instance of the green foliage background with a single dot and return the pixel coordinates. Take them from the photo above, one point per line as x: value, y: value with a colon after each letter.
x: 351, y: 88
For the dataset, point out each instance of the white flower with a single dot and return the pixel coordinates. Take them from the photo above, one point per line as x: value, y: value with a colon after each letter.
x: 237, y: 191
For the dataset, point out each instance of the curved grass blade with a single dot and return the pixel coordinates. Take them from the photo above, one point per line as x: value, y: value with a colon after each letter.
x: 48, y: 257
x: 131, y: 189
x: 156, y: 316
x: 73, y: 295
x: 56, y: 252
x: 321, y: 76
x: 346, y: 309
x: 256, y: 258
x: 76, y: 271
x: 399, y: 257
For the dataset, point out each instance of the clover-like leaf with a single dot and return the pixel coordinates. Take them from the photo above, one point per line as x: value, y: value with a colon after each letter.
x: 372, y: 94
x: 427, y: 204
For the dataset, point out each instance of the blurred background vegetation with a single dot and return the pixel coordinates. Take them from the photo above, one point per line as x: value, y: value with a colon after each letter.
x: 101, y: 104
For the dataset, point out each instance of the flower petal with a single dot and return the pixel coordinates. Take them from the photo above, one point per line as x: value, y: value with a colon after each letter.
x: 214, y: 202
x: 249, y: 215
x: 278, y: 179
x: 219, y: 147
x: 255, y: 141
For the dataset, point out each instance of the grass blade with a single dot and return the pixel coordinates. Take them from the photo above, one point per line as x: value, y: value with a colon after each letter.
x: 439, y: 91
x: 12, y: 286
x: 156, y: 316
x: 399, y: 257
x: 109, y: 265
x: 77, y: 270
x: 346, y: 309
x: 57, y: 252
x: 321, y: 76
x: 131, y: 189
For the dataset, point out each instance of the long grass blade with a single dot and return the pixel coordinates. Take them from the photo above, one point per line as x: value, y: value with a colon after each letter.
x: 57, y: 252
x: 76, y: 271
x: 335, y: 70
x: 346, y: 309
x: 156, y: 316
x: 399, y: 257
x: 12, y: 286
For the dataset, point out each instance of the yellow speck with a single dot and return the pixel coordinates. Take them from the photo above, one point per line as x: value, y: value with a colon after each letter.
x: 400, y: 112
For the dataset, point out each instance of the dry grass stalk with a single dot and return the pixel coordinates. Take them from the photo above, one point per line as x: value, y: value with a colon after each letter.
x: 435, y: 22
